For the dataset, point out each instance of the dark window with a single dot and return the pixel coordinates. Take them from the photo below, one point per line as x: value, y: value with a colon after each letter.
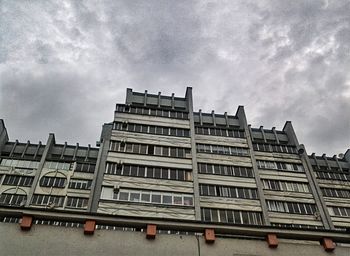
x: 12, y: 199
x: 52, y: 182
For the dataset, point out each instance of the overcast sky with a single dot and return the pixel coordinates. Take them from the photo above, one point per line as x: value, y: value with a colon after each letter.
x: 64, y: 64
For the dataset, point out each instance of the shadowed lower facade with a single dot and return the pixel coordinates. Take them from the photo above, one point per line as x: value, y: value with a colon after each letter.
x: 162, y: 175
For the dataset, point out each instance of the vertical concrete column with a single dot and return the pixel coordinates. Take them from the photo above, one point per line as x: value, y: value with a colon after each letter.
x: 189, y: 100
x: 96, y: 186
x: 310, y: 175
x: 3, y: 134
x: 243, y: 123
x: 50, y: 142
x: 128, y: 96
x: 347, y: 156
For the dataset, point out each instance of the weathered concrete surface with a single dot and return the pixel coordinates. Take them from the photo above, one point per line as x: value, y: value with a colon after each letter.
x: 48, y: 240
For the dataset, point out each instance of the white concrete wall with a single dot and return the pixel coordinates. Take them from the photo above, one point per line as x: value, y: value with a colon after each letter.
x: 48, y: 240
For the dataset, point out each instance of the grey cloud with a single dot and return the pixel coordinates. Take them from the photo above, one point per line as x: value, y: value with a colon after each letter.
x: 70, y: 62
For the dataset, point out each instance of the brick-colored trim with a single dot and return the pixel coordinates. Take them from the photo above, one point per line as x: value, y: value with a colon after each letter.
x: 151, y: 231
x: 328, y: 244
x: 272, y: 240
x: 89, y: 227
x: 26, y: 222
x: 209, y: 235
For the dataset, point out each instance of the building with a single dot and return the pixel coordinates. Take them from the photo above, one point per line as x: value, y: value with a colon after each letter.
x: 163, y: 169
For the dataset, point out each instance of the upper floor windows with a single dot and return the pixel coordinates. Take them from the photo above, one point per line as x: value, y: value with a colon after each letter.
x: 339, y: 211
x: 20, y: 163
x: 291, y: 207
x: 231, y: 216
x: 57, y: 165
x: 80, y: 184
x: 332, y: 175
x: 85, y: 167
x: 149, y: 172
x: 56, y: 182
x: 145, y: 149
x: 280, y: 166
x: 12, y: 199
x: 152, y: 129
x: 227, y: 191
x: 222, y: 150
x: 219, y: 132
x: 294, y: 225
x: 331, y: 192
x: 274, y: 148
x: 48, y: 200
x: 285, y: 185
x: 152, y: 112
x: 227, y: 170
x: 17, y: 180
x: 77, y: 202
x: 147, y: 196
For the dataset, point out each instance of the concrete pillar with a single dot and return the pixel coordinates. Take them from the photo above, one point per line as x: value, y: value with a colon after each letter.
x: 189, y: 100
x: 243, y: 120
x: 49, y: 144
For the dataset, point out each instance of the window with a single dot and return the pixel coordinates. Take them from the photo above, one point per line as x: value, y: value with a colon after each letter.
x: 48, y: 200
x: 147, y: 196
x: 148, y: 172
x: 339, y: 211
x: 80, y: 184
x: 291, y: 207
x: 222, y: 150
x: 227, y: 170
x: 287, y: 225
x: 231, y: 216
x: 285, y: 186
x: 223, y: 132
x: 327, y: 175
x: 227, y: 191
x: 12, y: 199
x: 52, y: 182
x: 280, y: 166
x: 340, y: 193
x: 150, y: 149
x: 274, y: 148
x: 151, y: 129
x: 77, y: 202
x: 16, y: 180
x: 151, y: 111
x: 57, y: 165
x: 85, y: 167
x: 20, y: 163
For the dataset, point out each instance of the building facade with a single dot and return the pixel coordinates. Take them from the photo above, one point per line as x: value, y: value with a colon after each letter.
x: 162, y: 164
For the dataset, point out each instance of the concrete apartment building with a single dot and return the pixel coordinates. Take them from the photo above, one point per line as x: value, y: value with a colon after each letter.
x: 165, y: 179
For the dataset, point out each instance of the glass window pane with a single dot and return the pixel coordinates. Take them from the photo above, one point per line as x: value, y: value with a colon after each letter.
x: 134, y: 197
x: 167, y: 199
x: 124, y: 196
x: 156, y: 198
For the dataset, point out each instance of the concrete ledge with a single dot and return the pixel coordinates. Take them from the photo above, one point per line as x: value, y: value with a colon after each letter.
x: 180, y: 225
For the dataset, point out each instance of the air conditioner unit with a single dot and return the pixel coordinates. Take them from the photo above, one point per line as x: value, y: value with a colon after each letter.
x: 122, y: 143
x: 116, y: 188
x: 317, y: 216
x: 124, y: 124
x: 51, y: 205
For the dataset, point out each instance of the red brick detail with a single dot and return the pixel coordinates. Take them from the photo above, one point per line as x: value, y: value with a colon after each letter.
x: 272, y: 240
x: 26, y: 222
x: 209, y: 235
x: 89, y: 227
x: 328, y: 244
x: 151, y: 231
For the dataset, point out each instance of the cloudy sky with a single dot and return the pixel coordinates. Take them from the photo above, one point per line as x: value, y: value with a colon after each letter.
x: 64, y: 64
